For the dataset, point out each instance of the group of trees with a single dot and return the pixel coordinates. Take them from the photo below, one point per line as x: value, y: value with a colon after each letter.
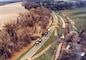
x: 62, y: 5
x: 83, y: 40
x: 19, y: 33
x: 76, y: 39
x: 59, y: 5
x: 69, y: 54
x: 29, y: 5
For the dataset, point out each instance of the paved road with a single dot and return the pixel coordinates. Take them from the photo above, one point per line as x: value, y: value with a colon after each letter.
x: 63, y: 22
x: 36, y: 48
x: 49, y: 46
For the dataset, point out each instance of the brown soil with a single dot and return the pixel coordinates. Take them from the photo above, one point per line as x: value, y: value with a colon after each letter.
x: 24, y: 49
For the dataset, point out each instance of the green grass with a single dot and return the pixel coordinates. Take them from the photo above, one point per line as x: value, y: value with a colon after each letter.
x: 78, y: 16
x: 60, y: 22
x: 49, y: 41
x: 59, y: 29
x: 48, y: 54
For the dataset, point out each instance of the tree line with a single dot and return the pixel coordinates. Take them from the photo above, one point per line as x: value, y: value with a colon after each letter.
x: 62, y: 5
x: 59, y: 5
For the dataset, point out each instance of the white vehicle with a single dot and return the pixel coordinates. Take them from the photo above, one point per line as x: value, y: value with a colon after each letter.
x: 83, y: 53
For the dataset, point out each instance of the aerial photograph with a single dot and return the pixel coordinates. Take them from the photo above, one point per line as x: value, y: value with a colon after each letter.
x: 42, y: 29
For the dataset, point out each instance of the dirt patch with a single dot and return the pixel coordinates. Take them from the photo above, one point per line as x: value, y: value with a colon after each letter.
x: 24, y: 49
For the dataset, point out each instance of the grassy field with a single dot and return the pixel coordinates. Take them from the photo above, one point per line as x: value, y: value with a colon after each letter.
x: 78, y: 16
x: 48, y: 54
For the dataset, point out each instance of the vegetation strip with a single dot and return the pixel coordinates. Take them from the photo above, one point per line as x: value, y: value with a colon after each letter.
x: 48, y: 54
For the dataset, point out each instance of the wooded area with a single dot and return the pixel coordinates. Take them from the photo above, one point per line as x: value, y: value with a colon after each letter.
x: 19, y: 33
